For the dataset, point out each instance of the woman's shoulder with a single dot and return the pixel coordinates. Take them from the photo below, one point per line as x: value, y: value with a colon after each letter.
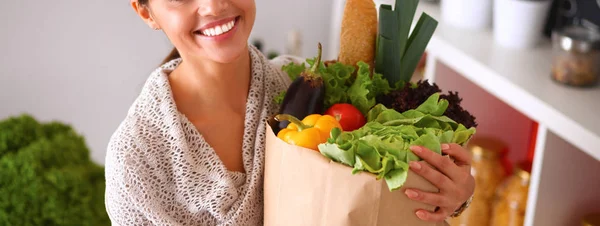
x: 151, y: 109
x: 130, y: 138
x: 155, y: 93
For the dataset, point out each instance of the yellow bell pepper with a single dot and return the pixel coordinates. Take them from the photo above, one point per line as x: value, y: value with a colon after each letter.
x: 310, y: 132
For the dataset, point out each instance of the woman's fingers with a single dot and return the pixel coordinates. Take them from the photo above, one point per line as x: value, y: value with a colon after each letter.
x: 435, y: 177
x: 436, y: 216
x: 454, y: 181
x: 442, y: 163
x: 460, y: 155
x: 434, y: 199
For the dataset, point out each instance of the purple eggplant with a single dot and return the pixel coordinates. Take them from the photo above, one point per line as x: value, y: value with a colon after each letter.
x: 305, y: 95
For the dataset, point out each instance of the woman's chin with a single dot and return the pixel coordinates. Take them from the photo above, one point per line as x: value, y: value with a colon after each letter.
x: 227, y: 55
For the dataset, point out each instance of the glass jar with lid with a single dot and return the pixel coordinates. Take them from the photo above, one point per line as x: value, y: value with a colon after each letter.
x: 511, y: 198
x: 489, y: 172
x: 576, y: 59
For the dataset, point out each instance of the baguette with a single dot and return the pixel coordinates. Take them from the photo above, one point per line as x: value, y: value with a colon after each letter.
x: 358, y: 32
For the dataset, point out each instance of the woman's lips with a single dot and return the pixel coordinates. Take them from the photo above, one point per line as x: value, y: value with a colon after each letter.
x: 218, y: 28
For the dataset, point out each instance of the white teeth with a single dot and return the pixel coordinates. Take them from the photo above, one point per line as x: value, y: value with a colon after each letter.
x: 224, y: 28
x: 219, y: 29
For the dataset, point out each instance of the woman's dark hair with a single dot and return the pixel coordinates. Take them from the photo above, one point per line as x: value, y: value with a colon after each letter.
x: 174, y: 54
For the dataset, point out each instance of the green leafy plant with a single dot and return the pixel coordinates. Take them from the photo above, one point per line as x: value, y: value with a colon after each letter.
x: 47, y: 176
x: 397, y: 53
x: 341, y: 86
x: 381, y: 147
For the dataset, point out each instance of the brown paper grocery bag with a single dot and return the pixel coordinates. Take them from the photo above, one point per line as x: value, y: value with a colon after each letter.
x: 304, y: 188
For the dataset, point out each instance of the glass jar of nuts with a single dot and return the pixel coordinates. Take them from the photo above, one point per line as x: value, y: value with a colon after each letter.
x: 576, y: 58
x: 489, y: 172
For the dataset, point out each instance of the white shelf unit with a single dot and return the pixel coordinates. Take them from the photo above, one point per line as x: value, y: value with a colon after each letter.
x: 565, y: 179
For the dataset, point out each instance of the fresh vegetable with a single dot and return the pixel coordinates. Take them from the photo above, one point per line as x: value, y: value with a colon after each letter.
x: 305, y: 95
x: 349, y: 117
x: 341, y: 87
x: 310, y: 132
x: 279, y: 98
x: 337, y: 78
x: 398, y: 53
x: 293, y: 71
x: 411, y: 96
x: 47, y: 176
x: 382, y: 146
x: 358, y: 32
x: 366, y: 88
x: 456, y: 112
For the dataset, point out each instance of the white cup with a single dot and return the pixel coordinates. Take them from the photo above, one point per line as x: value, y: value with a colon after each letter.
x: 468, y: 14
x: 519, y: 23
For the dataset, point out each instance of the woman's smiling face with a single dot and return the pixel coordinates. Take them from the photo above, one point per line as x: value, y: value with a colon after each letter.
x: 216, y: 30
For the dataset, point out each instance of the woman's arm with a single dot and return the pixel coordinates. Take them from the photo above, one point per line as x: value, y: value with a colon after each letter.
x: 453, y: 178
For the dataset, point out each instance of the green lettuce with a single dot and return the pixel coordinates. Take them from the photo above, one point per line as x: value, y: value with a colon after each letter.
x: 366, y: 87
x: 381, y: 146
x: 360, y: 91
x: 344, y: 84
x: 279, y: 98
x: 293, y: 70
x: 337, y: 78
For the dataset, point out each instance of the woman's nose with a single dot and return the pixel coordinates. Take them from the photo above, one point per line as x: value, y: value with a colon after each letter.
x: 212, y: 7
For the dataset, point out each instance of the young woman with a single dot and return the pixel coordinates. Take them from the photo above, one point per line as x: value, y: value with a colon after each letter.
x: 191, y: 148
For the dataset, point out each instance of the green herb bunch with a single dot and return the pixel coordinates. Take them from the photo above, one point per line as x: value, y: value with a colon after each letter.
x: 47, y: 177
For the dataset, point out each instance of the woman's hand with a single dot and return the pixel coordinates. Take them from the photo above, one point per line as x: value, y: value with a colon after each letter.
x: 453, y: 178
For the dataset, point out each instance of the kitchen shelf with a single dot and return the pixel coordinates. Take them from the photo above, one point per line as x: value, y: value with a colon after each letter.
x: 564, y: 180
x: 521, y: 78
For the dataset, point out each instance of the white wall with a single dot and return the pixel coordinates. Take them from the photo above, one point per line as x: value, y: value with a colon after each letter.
x: 312, y: 18
x: 84, y: 62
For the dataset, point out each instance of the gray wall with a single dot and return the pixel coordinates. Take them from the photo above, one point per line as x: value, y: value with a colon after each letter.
x: 84, y: 62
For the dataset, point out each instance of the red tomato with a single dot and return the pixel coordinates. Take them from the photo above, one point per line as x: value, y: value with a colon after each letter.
x: 349, y: 117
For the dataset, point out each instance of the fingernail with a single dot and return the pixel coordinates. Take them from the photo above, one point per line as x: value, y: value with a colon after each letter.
x: 416, y: 149
x: 415, y: 165
x: 445, y: 146
x: 411, y: 194
x: 421, y: 215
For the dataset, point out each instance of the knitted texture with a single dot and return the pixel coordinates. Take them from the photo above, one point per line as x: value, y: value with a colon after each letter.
x: 160, y: 170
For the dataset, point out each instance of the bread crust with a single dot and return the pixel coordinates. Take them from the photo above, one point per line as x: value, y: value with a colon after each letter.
x: 358, y: 32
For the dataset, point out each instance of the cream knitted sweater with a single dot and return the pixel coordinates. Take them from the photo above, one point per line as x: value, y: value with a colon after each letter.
x: 160, y: 170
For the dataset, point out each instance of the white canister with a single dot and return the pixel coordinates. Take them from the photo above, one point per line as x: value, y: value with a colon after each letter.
x: 520, y: 23
x: 469, y: 14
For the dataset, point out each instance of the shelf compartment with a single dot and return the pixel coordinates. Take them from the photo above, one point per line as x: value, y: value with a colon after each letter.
x: 520, y: 78
x: 495, y: 118
x: 565, y: 187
